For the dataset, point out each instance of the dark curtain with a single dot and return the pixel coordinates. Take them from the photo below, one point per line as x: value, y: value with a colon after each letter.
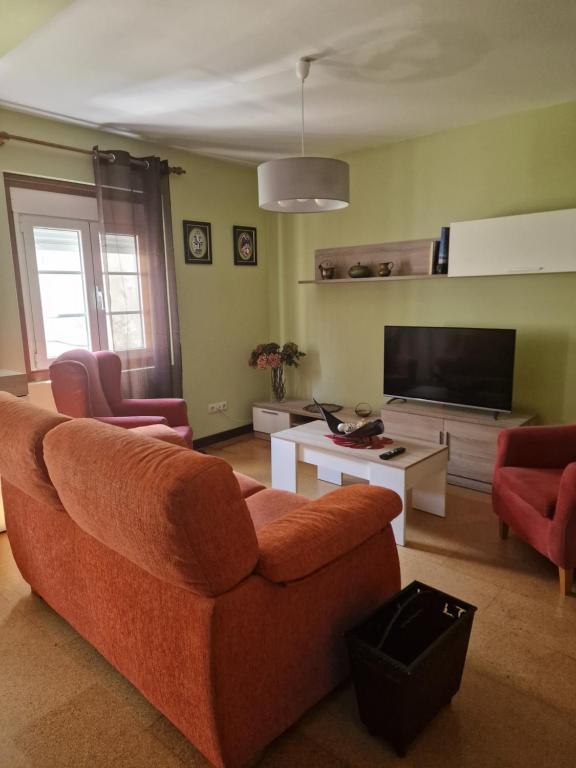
x: 134, y: 200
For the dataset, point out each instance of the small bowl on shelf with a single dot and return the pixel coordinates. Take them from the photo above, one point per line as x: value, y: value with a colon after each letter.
x: 360, y: 270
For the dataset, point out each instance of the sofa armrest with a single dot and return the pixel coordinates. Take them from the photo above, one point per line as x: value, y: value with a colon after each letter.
x: 162, y: 432
x: 173, y: 409
x: 129, y: 422
x: 541, y: 447
x: 318, y: 533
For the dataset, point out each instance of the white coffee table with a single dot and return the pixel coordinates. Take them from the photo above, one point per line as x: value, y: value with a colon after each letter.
x: 420, y: 473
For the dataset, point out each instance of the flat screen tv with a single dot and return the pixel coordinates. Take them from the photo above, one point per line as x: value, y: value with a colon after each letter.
x: 472, y: 367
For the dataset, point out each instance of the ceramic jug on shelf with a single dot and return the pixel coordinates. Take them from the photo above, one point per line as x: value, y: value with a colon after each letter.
x: 385, y: 268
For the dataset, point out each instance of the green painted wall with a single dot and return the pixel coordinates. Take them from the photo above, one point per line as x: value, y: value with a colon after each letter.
x: 515, y: 164
x: 224, y: 310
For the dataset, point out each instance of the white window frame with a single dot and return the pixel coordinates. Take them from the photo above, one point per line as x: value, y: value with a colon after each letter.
x: 44, y: 209
x: 31, y: 288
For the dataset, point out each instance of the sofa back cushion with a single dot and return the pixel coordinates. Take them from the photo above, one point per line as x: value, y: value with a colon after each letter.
x: 175, y: 513
x: 76, y: 386
x: 22, y: 430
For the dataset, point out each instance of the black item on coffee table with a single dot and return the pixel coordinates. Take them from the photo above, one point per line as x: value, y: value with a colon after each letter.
x: 407, y: 661
x: 370, y: 429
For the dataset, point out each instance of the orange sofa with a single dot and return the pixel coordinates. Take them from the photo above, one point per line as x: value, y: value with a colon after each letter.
x: 227, y: 613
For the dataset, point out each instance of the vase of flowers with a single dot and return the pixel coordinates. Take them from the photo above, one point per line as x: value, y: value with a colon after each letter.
x: 275, y: 357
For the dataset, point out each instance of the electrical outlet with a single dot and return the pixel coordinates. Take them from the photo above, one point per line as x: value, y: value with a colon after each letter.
x: 218, y: 407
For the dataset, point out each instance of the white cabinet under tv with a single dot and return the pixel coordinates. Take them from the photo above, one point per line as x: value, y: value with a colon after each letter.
x: 470, y: 435
x: 525, y: 244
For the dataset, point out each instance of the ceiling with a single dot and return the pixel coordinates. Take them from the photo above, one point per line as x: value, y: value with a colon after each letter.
x: 218, y: 76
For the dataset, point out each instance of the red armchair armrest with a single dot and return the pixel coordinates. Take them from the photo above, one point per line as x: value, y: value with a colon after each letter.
x: 129, y: 422
x: 538, y: 447
x: 303, y: 541
x: 562, y: 538
x: 173, y: 409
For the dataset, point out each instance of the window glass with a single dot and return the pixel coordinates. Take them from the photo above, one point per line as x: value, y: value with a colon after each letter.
x: 62, y: 289
x: 124, y: 310
x: 124, y: 293
x: 58, y: 249
x: 64, y: 333
x: 121, y: 253
x: 126, y: 331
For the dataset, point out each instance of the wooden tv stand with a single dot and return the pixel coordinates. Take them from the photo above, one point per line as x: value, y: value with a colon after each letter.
x: 470, y: 435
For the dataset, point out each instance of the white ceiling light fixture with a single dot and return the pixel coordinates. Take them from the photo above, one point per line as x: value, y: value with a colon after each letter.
x: 303, y: 184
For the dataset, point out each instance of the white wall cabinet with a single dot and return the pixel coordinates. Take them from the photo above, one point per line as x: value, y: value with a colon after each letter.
x: 528, y: 243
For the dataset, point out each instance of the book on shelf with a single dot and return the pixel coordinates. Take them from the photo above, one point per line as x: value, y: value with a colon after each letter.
x: 442, y: 263
x: 433, y: 262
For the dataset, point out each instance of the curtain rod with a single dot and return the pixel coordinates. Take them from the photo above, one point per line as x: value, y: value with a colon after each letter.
x: 4, y: 137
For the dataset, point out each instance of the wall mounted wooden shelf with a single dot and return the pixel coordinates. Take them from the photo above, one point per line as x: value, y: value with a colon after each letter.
x: 372, y: 279
x: 411, y: 258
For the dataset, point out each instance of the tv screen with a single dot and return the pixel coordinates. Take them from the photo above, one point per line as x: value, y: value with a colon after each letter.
x: 458, y: 366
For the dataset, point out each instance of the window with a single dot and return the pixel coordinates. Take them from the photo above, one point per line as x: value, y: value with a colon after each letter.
x: 124, y: 309
x: 77, y: 294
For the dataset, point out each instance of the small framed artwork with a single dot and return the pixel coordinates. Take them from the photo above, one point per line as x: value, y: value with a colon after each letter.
x: 197, y: 242
x: 245, y: 248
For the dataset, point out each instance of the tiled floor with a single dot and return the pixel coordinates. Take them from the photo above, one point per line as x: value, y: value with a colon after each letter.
x: 63, y: 706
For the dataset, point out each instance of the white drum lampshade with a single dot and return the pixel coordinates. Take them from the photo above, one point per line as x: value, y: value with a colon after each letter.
x: 303, y: 185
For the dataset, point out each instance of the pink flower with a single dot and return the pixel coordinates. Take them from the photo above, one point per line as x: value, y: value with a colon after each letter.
x: 261, y: 362
x: 275, y: 360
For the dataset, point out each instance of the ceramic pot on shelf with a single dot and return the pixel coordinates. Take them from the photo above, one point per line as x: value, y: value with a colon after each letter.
x: 327, y: 270
x: 360, y: 270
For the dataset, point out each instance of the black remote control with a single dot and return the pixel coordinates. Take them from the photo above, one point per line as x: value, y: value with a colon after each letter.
x: 391, y: 453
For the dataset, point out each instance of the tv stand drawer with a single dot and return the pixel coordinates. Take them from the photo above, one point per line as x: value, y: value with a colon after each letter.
x: 269, y: 420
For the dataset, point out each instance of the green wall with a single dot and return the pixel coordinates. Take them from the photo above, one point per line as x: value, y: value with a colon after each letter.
x: 515, y: 164
x: 224, y: 310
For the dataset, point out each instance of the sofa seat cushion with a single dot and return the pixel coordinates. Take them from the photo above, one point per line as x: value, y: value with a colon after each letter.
x: 248, y: 486
x: 269, y: 505
x: 536, y: 487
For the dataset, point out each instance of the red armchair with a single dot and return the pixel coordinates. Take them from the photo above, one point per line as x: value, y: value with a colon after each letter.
x: 88, y: 384
x: 534, y: 492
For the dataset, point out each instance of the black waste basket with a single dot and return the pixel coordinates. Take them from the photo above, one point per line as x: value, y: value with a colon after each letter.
x: 407, y: 661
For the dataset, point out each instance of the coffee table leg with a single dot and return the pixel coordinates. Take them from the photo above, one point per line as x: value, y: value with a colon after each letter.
x: 330, y: 475
x: 396, y: 481
x: 283, y: 465
x: 430, y: 495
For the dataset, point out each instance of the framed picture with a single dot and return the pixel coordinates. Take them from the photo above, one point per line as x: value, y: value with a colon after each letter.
x: 245, y: 248
x: 197, y: 242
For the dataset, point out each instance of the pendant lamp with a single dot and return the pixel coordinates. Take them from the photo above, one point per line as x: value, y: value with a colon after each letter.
x: 303, y: 184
